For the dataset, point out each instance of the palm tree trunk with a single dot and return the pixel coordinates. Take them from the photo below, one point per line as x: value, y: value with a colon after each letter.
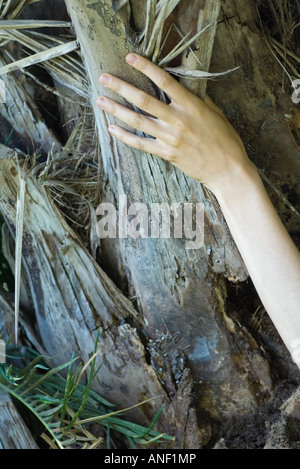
x: 177, y: 290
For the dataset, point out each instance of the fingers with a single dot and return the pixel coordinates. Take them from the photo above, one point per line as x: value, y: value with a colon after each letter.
x: 138, y: 97
x: 134, y: 119
x: 160, y: 77
x: 148, y: 145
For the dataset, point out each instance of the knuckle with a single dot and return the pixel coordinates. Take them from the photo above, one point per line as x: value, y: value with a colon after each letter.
x: 175, y: 140
x: 165, y: 80
x: 180, y: 125
x: 143, y: 101
x: 140, y: 144
x: 110, y: 106
x: 115, y: 85
x: 137, y: 121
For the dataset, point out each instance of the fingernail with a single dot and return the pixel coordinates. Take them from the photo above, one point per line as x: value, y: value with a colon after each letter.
x: 131, y: 59
x: 104, y: 79
x: 101, y: 102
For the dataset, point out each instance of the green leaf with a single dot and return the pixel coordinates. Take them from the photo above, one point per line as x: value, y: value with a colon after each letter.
x: 58, y: 403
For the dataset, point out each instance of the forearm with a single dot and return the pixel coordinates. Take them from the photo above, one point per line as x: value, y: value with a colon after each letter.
x: 271, y: 257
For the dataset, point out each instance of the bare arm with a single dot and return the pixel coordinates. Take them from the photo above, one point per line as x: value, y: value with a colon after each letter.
x: 196, y: 137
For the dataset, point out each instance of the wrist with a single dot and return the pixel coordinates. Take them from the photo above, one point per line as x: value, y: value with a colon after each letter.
x: 241, y: 183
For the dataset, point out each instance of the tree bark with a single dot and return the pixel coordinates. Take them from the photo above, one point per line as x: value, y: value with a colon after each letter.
x: 23, y: 115
x: 13, y: 432
x: 73, y: 300
x: 177, y: 290
x: 72, y: 304
x: 258, y: 102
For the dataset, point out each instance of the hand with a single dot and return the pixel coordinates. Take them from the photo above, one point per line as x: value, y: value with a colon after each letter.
x: 192, y: 134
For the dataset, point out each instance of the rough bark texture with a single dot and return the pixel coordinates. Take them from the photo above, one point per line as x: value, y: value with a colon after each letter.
x: 13, y: 432
x: 176, y: 289
x: 263, y: 111
x: 69, y: 315
x: 73, y: 299
x: 23, y: 115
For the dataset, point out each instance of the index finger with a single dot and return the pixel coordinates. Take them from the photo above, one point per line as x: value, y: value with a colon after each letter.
x: 160, y: 77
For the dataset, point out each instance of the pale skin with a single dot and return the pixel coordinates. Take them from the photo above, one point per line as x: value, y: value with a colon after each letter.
x: 195, y: 136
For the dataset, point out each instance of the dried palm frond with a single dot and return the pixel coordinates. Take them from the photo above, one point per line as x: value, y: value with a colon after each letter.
x: 61, y: 169
x: 181, y: 46
x: 40, y: 57
x: 280, y: 38
x: 18, y: 250
x: 55, y: 55
x: 71, y: 175
x: 32, y: 24
x: 23, y: 115
x: 152, y: 42
x: 157, y: 13
x: 284, y: 22
x: 187, y: 73
x: 11, y: 9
